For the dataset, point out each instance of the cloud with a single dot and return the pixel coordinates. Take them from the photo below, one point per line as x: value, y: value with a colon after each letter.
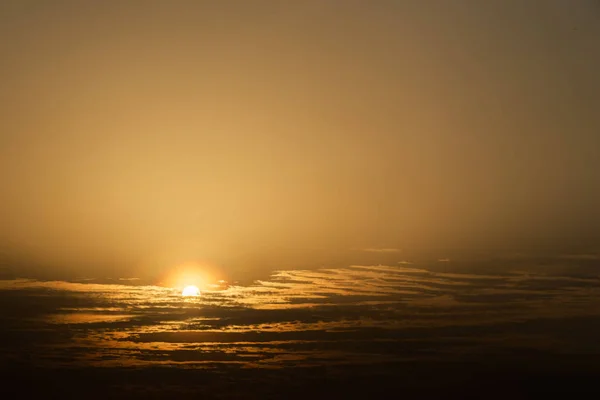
x: 580, y: 257
x: 357, y: 315
x: 381, y: 250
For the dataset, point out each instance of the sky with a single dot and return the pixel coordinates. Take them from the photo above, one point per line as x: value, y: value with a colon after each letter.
x: 254, y: 135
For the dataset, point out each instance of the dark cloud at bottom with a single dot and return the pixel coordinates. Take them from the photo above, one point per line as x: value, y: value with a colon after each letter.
x: 377, y: 331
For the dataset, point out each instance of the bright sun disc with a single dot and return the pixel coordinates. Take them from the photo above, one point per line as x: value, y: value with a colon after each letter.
x: 190, y: 291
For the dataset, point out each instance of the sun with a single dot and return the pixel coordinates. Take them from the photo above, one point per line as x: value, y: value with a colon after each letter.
x: 190, y: 291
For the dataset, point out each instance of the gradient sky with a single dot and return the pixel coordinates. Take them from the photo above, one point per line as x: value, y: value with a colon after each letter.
x: 136, y: 135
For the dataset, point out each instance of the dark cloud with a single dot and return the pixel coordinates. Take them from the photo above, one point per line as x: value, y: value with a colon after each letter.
x: 342, y: 315
x: 360, y: 322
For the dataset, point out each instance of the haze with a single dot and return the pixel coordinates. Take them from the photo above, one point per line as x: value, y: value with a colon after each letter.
x: 250, y: 135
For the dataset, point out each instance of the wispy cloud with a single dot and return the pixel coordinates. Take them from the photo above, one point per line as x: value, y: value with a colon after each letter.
x: 589, y: 256
x: 381, y: 250
x: 318, y: 316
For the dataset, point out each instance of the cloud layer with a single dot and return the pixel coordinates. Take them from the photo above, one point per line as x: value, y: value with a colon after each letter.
x: 359, y: 315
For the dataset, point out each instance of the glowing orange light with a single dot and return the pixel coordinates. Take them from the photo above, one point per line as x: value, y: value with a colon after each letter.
x: 190, y: 279
x: 190, y: 290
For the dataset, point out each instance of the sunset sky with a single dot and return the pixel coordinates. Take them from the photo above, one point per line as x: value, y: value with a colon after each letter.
x: 299, y: 199
x: 137, y: 135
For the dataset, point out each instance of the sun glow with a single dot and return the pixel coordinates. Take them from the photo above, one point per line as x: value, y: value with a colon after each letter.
x: 190, y: 290
x: 191, y: 279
